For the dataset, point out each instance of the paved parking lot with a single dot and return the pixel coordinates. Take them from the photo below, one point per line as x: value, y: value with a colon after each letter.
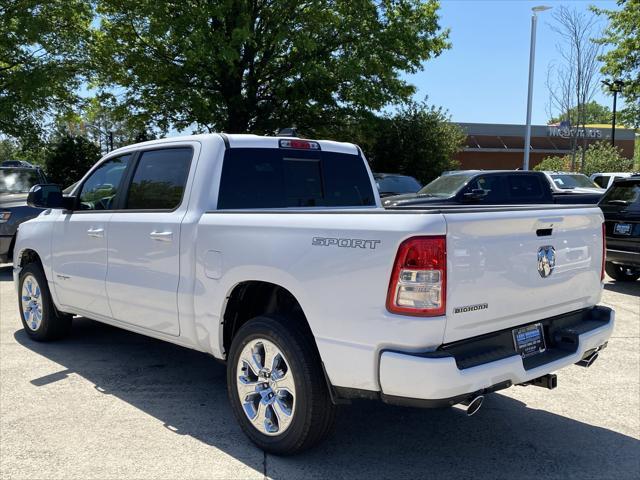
x: 106, y: 403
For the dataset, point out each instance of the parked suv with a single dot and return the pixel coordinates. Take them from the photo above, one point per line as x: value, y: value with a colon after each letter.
x: 621, y: 208
x: 15, y: 183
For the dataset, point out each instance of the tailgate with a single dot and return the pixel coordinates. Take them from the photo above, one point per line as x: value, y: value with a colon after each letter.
x: 497, y: 271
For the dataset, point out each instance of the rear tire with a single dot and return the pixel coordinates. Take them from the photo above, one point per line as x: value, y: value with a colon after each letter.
x: 40, y: 319
x: 276, y: 386
x: 622, y: 273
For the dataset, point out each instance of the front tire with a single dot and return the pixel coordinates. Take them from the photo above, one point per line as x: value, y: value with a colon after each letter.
x: 622, y: 273
x: 40, y: 319
x: 276, y: 386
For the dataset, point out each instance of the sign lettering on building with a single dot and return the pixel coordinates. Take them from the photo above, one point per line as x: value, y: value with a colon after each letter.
x: 571, y: 132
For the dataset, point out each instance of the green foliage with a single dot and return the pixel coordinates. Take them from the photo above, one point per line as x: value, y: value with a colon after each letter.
x: 41, y: 48
x: 622, y: 61
x: 593, y: 113
x: 555, y: 164
x: 11, y: 149
x: 239, y: 65
x: 599, y: 157
x: 418, y: 140
x: 103, y: 121
x: 69, y: 157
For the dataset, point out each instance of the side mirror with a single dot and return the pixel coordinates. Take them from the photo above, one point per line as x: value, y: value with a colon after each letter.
x: 475, y: 194
x: 48, y: 196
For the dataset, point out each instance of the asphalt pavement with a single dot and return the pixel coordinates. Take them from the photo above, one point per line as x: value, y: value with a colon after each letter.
x: 105, y: 403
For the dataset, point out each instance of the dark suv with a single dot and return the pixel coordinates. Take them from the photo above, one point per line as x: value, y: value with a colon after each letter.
x: 15, y: 183
x: 621, y: 208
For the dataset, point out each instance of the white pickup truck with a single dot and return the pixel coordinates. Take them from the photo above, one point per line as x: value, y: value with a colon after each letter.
x: 274, y: 255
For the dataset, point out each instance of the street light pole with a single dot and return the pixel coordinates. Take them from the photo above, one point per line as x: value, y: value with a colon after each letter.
x: 615, y: 87
x: 532, y: 56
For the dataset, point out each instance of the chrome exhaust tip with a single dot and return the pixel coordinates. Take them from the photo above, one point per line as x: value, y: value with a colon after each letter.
x: 470, y: 407
x: 588, y: 360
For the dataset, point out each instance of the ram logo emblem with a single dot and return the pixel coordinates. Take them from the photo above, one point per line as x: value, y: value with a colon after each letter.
x: 546, y: 260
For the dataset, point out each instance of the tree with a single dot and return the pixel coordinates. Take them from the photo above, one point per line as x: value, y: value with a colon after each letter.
x: 598, y: 157
x: 572, y: 82
x: 69, y: 157
x: 417, y: 140
x: 12, y: 149
x: 622, y: 61
x: 105, y: 123
x: 257, y: 65
x: 41, y: 48
x: 593, y: 113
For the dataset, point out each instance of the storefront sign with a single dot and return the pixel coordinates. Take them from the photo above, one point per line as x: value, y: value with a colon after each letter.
x: 571, y: 132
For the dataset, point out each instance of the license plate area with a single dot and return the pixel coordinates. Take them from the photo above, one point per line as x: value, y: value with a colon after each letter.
x: 529, y: 340
x: 622, y: 228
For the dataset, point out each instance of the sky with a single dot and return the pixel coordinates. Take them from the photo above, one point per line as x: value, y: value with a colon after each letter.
x: 483, y: 77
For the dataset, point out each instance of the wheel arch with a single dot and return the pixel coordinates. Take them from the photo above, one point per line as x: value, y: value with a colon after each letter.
x: 26, y: 256
x: 251, y: 298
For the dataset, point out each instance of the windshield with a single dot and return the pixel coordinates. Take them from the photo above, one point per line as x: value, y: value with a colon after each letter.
x: 445, y: 186
x: 623, y: 194
x: 397, y: 184
x: 18, y: 180
x: 572, y: 180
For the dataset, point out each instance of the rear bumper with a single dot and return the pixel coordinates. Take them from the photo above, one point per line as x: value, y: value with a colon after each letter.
x: 623, y: 257
x: 484, y: 364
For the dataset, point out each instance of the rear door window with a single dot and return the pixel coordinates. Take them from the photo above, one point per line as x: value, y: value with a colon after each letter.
x: 526, y: 189
x: 281, y: 178
x: 160, y: 179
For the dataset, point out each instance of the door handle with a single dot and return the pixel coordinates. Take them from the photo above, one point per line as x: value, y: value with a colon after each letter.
x: 96, y: 232
x: 161, y: 236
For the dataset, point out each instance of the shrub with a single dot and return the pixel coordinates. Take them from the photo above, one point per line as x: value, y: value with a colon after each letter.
x: 599, y: 157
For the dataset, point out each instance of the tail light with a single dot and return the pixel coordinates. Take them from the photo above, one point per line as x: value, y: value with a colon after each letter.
x: 419, y: 278
x: 604, y: 250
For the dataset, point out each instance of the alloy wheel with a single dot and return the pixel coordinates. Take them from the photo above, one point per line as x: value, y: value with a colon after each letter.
x: 266, y: 387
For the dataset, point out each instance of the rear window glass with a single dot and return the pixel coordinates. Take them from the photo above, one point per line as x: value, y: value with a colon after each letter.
x: 394, y: 184
x: 281, y: 178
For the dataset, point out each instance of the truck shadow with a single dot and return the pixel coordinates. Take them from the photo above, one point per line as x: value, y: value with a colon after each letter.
x: 186, y: 391
x: 626, y: 288
x: 6, y: 273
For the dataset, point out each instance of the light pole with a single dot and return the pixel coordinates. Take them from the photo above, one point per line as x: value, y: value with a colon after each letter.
x: 615, y: 87
x: 532, y: 56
